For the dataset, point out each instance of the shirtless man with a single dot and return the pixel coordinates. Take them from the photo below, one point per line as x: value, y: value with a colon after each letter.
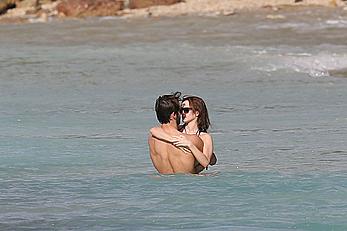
x: 167, y: 158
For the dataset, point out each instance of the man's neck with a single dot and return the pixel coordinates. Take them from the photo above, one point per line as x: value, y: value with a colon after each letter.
x: 172, y: 125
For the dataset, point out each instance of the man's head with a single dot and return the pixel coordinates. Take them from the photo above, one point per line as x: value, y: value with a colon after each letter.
x: 167, y: 107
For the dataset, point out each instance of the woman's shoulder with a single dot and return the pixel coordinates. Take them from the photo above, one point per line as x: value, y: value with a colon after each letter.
x: 205, y: 135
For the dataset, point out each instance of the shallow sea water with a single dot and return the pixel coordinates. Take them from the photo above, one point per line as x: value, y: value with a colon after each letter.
x: 76, y: 103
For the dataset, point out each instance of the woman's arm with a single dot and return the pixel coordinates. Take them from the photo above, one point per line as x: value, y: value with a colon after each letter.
x: 158, y: 133
x: 182, y: 141
x: 208, y: 145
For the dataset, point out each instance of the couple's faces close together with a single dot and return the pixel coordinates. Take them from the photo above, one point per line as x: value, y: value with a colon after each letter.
x: 187, y: 113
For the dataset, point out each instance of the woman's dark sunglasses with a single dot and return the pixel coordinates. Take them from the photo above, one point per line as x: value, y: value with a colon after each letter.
x: 185, y: 110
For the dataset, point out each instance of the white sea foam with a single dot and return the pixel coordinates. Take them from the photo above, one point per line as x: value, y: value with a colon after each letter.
x: 315, y: 65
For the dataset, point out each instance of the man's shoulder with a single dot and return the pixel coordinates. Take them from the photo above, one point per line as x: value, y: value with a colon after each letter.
x: 150, y: 139
x: 155, y: 128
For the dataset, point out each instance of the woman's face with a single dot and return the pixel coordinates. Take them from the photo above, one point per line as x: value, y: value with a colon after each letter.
x: 188, y: 114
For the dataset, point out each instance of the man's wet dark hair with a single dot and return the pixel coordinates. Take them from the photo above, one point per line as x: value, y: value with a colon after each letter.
x: 165, y: 105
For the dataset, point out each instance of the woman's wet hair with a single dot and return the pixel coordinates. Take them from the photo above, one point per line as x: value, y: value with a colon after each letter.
x: 198, y: 104
x: 165, y: 105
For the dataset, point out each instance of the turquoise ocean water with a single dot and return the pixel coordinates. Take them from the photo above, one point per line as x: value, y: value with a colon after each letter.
x: 76, y: 103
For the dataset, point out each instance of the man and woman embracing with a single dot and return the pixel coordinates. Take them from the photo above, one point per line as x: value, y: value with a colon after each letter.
x: 176, y: 148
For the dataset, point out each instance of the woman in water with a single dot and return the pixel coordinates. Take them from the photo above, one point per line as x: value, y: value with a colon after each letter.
x: 196, y: 121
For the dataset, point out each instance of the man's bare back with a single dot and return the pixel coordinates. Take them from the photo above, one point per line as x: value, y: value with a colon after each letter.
x: 167, y: 158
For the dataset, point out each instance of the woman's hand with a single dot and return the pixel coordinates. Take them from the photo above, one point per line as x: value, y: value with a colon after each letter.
x: 181, y: 141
